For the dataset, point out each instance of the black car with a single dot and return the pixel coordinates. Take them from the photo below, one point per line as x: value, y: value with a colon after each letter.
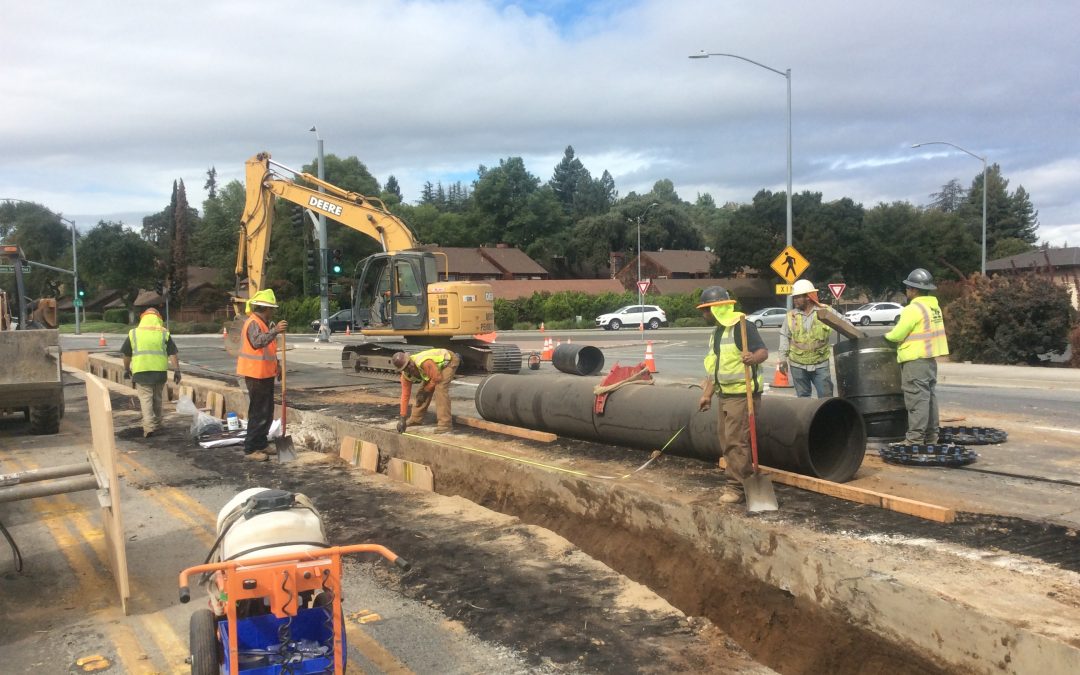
x: 338, y: 321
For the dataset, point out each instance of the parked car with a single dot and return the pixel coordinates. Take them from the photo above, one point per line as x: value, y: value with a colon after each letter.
x: 770, y: 316
x: 875, y: 312
x: 338, y: 321
x: 633, y: 315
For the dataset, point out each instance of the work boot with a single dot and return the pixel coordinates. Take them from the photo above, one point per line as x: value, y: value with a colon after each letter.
x: 732, y: 494
x: 440, y: 429
x: 270, y: 449
x: 257, y: 456
x: 415, y: 421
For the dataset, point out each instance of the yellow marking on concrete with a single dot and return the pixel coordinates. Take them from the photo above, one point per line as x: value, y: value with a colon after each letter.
x: 359, y: 640
x: 94, y: 662
x: 128, y: 647
x: 167, y: 642
x: 179, y: 505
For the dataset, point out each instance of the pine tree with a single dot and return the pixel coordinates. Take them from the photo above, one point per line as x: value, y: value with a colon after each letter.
x: 211, y: 183
x: 181, y: 235
x: 392, y: 187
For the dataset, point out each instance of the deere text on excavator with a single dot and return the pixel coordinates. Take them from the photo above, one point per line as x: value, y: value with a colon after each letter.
x: 399, y: 302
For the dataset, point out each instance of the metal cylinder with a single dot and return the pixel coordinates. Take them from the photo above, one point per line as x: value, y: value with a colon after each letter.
x: 823, y: 438
x: 868, y: 375
x: 45, y: 473
x: 57, y: 486
x: 578, y: 359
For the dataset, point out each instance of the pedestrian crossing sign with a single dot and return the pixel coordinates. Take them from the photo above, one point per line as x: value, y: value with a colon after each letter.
x: 790, y: 264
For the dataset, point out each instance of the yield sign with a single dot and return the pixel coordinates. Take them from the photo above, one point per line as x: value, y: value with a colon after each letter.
x: 790, y: 264
x: 643, y: 286
x: 837, y: 289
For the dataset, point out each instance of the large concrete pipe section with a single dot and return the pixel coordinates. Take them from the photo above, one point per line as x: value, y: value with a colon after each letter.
x: 817, y: 437
x: 578, y: 359
x: 868, y: 375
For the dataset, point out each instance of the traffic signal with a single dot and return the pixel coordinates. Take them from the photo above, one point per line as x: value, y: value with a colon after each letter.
x: 311, y: 257
x: 296, y: 216
x: 159, y: 286
x: 82, y: 292
x: 336, y: 265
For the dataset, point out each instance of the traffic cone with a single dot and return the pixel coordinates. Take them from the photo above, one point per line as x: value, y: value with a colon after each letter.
x: 348, y: 329
x: 101, y: 341
x: 650, y: 363
x: 569, y: 340
x: 780, y: 379
x: 224, y: 332
x: 549, y: 350
x: 541, y: 326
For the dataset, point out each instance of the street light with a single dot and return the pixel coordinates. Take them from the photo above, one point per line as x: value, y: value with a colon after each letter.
x: 786, y: 74
x: 982, y: 267
x: 324, y: 283
x: 641, y: 296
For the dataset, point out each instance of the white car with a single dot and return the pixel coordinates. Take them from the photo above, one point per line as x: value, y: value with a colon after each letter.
x: 633, y: 315
x: 770, y: 316
x: 875, y: 312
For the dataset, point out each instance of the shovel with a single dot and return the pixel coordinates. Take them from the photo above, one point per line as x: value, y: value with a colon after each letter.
x: 760, y: 495
x: 286, y: 451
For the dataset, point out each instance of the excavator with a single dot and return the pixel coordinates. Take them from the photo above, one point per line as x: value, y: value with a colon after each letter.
x: 399, y: 301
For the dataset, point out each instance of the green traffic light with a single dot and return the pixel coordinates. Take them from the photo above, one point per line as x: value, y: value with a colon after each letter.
x: 337, y: 269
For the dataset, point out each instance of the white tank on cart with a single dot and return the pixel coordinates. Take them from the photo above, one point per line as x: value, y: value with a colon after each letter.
x: 288, y: 530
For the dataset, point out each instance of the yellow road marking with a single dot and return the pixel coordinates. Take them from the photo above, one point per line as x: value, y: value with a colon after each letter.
x: 359, y: 640
x: 166, y: 640
x: 179, y: 505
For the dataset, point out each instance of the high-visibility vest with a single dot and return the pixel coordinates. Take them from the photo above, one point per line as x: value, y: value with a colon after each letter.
x: 724, y: 361
x: 441, y: 357
x: 258, y: 363
x: 148, y: 349
x: 921, y: 329
x: 807, y: 347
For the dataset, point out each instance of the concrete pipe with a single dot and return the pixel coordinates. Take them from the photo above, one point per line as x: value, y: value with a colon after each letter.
x: 823, y: 438
x: 868, y: 375
x: 578, y: 359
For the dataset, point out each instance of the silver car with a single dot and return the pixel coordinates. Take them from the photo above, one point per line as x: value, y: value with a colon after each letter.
x: 770, y: 316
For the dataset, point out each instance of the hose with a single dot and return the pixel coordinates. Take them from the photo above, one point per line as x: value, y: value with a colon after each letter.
x: 16, y: 553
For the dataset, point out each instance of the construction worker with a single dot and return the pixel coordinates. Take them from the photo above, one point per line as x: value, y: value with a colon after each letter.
x: 380, y: 309
x: 148, y: 351
x: 920, y: 332
x: 804, y: 343
x: 258, y: 364
x: 724, y: 368
x: 434, y: 369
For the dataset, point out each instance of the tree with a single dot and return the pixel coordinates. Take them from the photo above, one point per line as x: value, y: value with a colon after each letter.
x: 501, y: 198
x: 43, y: 238
x: 215, y: 241
x: 753, y: 236
x: 569, y: 176
x: 1007, y: 216
x: 112, y: 257
x: 951, y: 197
x: 211, y: 183
x: 181, y: 234
x: 392, y: 188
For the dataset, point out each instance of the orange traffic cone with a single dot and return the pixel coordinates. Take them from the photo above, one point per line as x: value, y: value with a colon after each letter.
x: 541, y: 326
x: 348, y: 329
x: 780, y: 379
x: 101, y: 341
x: 650, y: 363
x: 549, y: 350
x: 569, y: 340
x: 224, y: 332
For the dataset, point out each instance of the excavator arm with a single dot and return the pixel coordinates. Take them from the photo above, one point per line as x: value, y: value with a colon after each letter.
x: 366, y: 215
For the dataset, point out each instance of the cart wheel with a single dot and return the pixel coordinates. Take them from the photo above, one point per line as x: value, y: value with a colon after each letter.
x: 203, y: 642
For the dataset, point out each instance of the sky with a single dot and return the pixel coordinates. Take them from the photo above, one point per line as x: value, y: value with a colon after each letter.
x: 105, y: 104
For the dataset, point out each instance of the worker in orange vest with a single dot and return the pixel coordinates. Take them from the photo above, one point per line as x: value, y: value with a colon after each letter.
x: 259, y: 365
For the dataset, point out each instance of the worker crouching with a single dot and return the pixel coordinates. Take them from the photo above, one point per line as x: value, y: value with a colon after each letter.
x: 433, y: 369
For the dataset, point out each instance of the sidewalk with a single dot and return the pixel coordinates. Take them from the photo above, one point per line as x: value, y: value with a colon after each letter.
x: 1024, y: 377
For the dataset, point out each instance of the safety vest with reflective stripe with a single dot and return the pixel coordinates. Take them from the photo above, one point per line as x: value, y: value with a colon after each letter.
x: 920, y: 331
x: 807, y: 347
x: 441, y: 357
x: 258, y: 363
x: 148, y: 349
x: 724, y: 362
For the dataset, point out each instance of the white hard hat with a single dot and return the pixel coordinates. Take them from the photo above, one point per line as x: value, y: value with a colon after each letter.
x: 802, y: 287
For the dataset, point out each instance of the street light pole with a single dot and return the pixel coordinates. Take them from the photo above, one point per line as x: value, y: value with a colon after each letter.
x: 641, y: 296
x: 786, y: 74
x: 324, y: 282
x: 985, y: 187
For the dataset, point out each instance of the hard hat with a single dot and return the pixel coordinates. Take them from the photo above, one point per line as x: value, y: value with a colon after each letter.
x: 802, y: 287
x: 714, y: 295
x: 921, y: 279
x: 399, y: 360
x: 264, y: 298
x: 151, y: 310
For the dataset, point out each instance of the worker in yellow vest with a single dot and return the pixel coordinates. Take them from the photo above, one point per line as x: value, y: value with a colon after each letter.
x: 433, y: 369
x: 148, y: 352
x: 920, y: 332
x: 805, y: 346
x: 724, y: 368
x: 258, y: 364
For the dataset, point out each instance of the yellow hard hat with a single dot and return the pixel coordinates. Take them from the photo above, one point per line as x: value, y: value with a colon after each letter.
x: 264, y: 298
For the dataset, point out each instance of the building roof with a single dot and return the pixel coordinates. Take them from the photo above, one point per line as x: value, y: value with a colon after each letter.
x: 740, y: 288
x: 682, y: 261
x: 513, y: 260
x: 464, y: 261
x: 524, y: 288
x: 1058, y: 257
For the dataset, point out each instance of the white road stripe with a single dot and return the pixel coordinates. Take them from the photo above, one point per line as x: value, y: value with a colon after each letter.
x: 1068, y: 431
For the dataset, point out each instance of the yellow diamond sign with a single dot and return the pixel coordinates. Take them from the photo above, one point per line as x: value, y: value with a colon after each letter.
x: 790, y: 264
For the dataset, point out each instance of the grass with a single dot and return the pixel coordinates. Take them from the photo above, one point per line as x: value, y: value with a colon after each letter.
x: 94, y: 326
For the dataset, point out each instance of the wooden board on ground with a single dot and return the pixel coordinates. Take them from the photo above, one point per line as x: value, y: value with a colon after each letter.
x: 520, y: 432
x: 841, y: 326
x: 79, y: 360
x: 412, y: 473
x: 364, y: 454
x: 104, y: 461
x: 215, y: 402
x: 188, y: 391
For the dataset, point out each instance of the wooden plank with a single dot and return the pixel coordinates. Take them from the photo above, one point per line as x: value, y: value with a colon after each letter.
x: 520, y: 432
x: 369, y: 456
x: 78, y: 360
x: 215, y: 401
x: 841, y: 326
x: 350, y: 450
x: 412, y: 473
x: 103, y: 455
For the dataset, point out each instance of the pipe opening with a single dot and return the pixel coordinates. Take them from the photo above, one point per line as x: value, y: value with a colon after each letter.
x: 578, y: 359
x: 836, y: 440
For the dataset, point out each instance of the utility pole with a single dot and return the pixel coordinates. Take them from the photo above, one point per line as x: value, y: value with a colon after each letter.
x: 324, y: 282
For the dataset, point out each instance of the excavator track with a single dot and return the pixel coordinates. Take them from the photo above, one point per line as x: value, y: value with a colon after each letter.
x: 372, y: 359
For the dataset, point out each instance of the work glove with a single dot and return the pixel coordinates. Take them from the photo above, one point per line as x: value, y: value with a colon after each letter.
x: 783, y: 367
x: 127, y: 374
x: 176, y: 377
x: 401, y: 424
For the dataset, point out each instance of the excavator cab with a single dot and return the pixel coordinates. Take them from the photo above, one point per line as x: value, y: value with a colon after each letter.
x: 391, y: 291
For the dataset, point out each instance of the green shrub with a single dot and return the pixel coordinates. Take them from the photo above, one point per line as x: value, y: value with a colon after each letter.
x: 181, y: 327
x: 506, y: 313
x: 524, y: 325
x: 689, y: 322
x: 1008, y: 319
x: 1074, y: 340
x: 116, y: 316
x: 93, y: 316
x: 300, y: 312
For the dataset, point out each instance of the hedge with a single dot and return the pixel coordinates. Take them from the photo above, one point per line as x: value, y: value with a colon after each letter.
x: 560, y: 310
x: 116, y: 316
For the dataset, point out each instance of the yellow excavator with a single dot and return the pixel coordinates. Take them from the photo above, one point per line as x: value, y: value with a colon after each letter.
x: 399, y: 301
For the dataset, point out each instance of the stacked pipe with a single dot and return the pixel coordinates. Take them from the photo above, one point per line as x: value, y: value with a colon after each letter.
x: 823, y: 438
